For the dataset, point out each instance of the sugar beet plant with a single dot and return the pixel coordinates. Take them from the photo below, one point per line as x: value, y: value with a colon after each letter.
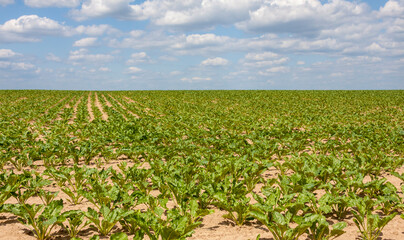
x: 177, y: 156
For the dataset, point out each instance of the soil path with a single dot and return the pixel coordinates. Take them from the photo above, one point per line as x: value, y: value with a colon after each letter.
x: 107, y: 102
x: 89, y: 108
x: 104, y: 115
x: 124, y: 108
x: 75, y: 107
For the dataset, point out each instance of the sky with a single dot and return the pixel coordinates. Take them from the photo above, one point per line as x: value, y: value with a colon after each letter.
x: 201, y: 44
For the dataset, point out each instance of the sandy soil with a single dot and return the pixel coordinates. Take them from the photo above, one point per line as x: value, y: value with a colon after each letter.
x: 213, y: 227
x: 104, y: 115
x: 106, y: 101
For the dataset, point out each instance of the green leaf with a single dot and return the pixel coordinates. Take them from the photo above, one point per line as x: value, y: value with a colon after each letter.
x: 119, y: 236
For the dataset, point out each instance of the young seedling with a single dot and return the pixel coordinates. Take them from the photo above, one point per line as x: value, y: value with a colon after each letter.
x: 367, y: 221
x: 39, y: 218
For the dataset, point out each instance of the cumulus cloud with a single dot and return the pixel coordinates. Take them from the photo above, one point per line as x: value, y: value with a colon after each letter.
x: 392, y: 8
x: 260, y: 56
x: 306, y: 17
x: 104, y: 69
x: 200, y: 13
x: 30, y: 28
x: 52, y: 57
x: 198, y: 40
x: 189, y: 14
x: 16, y: 65
x: 85, y: 42
x: 196, y: 79
x: 96, y: 30
x: 104, y: 8
x: 133, y: 70
x: 218, y: 61
x: 6, y: 2
x: 8, y: 53
x: 52, y: 3
x: 176, y: 44
x: 269, y: 71
x: 266, y: 63
x: 139, y: 57
x: 84, y: 55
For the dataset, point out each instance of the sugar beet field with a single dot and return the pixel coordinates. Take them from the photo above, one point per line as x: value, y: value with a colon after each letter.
x: 204, y: 165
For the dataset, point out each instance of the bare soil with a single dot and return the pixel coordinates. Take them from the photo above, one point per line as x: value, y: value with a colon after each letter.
x: 110, y: 105
x: 104, y: 115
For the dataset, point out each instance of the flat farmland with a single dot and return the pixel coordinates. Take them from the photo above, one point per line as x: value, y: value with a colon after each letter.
x: 201, y: 164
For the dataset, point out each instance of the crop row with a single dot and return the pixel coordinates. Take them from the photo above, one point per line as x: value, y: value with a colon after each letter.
x: 294, y: 161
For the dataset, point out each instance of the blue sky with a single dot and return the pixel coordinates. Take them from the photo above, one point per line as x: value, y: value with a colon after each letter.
x: 201, y: 44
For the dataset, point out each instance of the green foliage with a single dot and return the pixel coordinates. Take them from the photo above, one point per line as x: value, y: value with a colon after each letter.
x: 39, y: 218
x: 75, y: 222
x: 320, y: 229
x: 369, y: 223
x: 278, y: 213
x: 320, y: 153
x: 106, y: 218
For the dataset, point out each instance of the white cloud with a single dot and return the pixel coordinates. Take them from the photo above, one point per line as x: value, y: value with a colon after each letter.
x: 176, y: 73
x: 266, y: 63
x: 103, y: 8
x: 300, y: 63
x: 85, y: 42
x: 96, y: 30
x: 176, y: 44
x: 196, y: 79
x: 306, y: 17
x: 139, y: 57
x: 199, y: 13
x: 188, y: 14
x: 260, y: 56
x: 218, y: 61
x: 16, y: 65
x: 375, y: 47
x: 52, y: 3
x: 133, y: 70
x: 30, y: 28
x: 52, y: 57
x: 168, y: 58
x: 358, y: 60
x: 202, y: 40
x: 32, y: 24
x: 83, y: 55
x: 6, y: 2
x: 104, y: 69
x: 7, y: 53
x: 392, y: 8
x: 269, y: 71
x: 338, y: 74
